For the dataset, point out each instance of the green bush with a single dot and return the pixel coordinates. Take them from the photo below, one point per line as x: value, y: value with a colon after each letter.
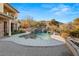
x: 17, y: 32
x: 21, y: 31
x: 75, y: 33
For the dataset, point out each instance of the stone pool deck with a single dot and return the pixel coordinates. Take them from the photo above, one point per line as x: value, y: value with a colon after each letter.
x: 10, y: 48
x: 53, y: 41
x: 13, y: 49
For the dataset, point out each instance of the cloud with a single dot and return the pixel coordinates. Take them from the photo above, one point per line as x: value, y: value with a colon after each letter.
x: 61, y: 9
x: 57, y: 8
x: 65, y: 9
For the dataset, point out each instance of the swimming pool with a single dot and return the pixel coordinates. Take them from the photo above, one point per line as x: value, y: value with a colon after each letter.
x: 43, y: 36
x: 37, y: 36
x: 41, y: 39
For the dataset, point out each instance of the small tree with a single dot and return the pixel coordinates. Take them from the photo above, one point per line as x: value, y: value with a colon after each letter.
x: 24, y: 24
x: 75, y: 33
x: 76, y: 21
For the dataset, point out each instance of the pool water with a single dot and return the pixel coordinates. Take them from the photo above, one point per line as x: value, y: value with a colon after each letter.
x: 43, y: 36
x: 37, y: 36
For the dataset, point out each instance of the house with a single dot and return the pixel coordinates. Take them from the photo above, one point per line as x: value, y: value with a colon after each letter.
x: 8, y: 18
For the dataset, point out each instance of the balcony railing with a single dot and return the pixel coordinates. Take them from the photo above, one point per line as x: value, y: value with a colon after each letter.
x: 10, y: 15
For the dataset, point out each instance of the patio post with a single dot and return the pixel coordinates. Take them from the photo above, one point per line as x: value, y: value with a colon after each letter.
x: 9, y: 27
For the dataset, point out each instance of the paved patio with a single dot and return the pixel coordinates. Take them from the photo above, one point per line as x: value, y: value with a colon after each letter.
x: 13, y: 49
x: 54, y: 41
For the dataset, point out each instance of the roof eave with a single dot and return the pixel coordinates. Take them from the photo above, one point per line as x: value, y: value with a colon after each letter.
x: 12, y: 7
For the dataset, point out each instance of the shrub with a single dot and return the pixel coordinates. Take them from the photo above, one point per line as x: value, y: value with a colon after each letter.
x: 21, y: 31
x: 17, y: 32
x: 75, y: 33
x: 65, y: 34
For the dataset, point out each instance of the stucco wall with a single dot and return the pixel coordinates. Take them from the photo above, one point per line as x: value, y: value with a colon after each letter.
x: 1, y: 28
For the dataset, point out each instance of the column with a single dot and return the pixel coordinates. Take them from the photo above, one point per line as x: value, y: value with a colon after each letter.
x: 9, y: 27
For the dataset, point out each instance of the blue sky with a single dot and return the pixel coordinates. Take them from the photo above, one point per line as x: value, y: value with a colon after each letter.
x: 63, y: 12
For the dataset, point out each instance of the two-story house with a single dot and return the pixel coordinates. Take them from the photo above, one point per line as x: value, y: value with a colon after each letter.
x: 8, y: 17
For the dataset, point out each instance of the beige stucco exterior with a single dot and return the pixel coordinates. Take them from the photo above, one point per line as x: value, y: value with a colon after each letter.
x: 8, y: 18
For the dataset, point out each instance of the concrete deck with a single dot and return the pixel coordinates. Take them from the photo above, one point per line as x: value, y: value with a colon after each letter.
x: 10, y: 48
x: 13, y: 49
x: 53, y: 41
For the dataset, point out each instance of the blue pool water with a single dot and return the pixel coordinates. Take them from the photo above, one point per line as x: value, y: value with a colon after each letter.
x: 43, y: 36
